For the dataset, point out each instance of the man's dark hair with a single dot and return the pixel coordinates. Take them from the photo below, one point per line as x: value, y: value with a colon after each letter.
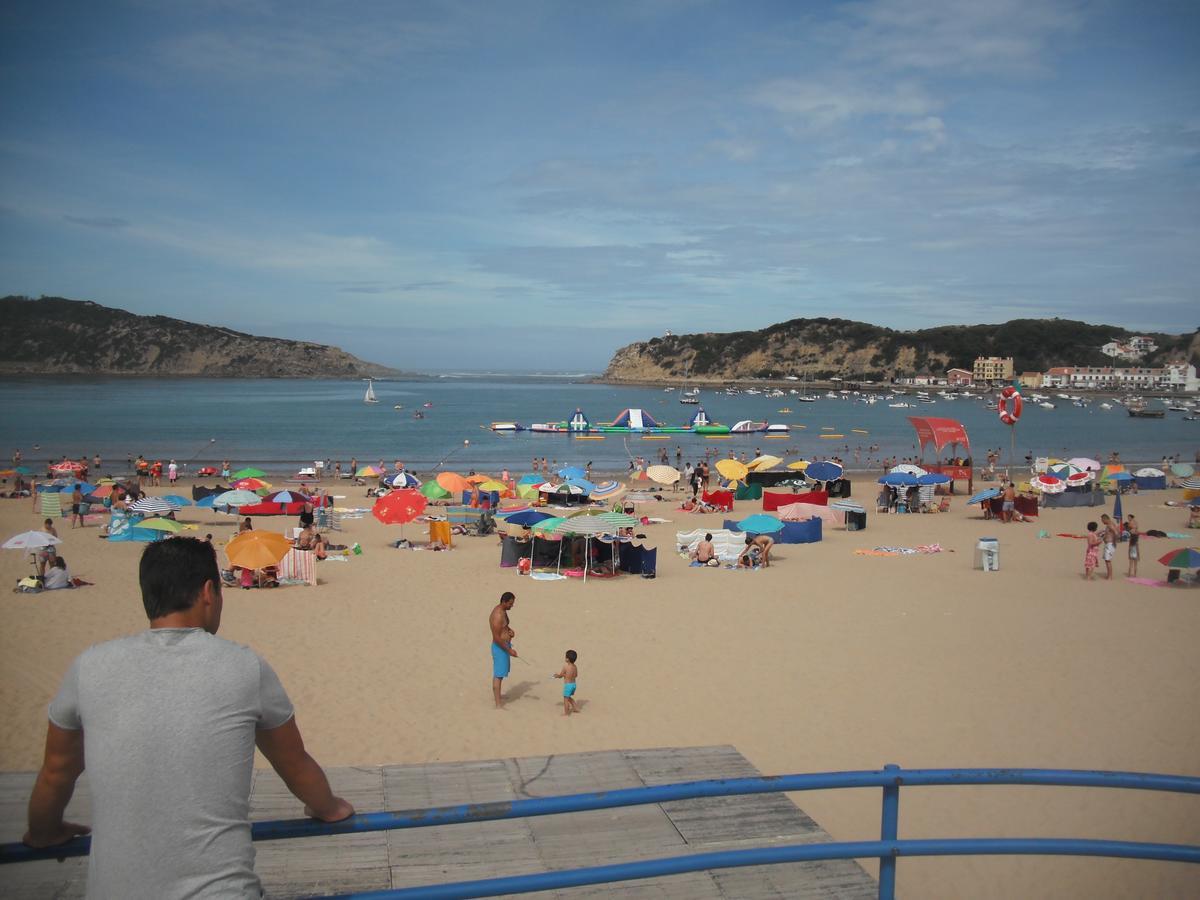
x: 506, y: 596
x: 173, y: 572
x: 572, y: 656
x: 708, y: 537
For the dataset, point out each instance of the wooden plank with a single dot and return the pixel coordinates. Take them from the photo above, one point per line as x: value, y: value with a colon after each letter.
x: 381, y: 860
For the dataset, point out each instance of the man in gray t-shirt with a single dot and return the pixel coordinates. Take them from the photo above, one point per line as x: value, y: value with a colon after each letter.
x: 170, y: 719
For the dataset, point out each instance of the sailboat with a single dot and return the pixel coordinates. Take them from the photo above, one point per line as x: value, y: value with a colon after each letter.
x: 688, y: 397
x: 370, y: 395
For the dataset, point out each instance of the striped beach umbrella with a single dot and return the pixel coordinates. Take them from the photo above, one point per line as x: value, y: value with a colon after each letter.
x: 1183, y: 558
x: 663, y: 474
x: 607, y: 489
x: 1190, y: 484
x: 237, y: 498
x: 1048, y: 484
x: 847, y: 506
x: 153, y: 506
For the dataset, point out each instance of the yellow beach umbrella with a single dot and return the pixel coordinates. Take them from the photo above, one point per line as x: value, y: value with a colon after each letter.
x: 663, y: 474
x: 799, y: 465
x: 367, y: 472
x: 732, y: 470
x: 763, y: 463
x: 160, y: 525
x: 491, y: 485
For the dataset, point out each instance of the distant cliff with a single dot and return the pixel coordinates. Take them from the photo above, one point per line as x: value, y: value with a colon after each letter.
x: 54, y: 336
x: 821, y: 348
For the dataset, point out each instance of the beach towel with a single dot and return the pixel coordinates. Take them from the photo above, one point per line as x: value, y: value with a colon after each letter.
x: 920, y: 550
x: 298, y: 567
x: 1148, y: 582
x: 546, y: 576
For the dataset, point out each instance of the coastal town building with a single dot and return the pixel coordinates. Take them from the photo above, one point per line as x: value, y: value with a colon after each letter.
x: 959, y: 378
x: 992, y: 368
x: 1171, y: 377
x: 1132, y: 349
x: 1031, y: 379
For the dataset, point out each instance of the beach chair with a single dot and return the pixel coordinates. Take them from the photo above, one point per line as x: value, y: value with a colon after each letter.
x: 298, y: 567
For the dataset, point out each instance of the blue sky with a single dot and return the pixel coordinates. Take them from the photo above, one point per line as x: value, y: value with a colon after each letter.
x: 515, y: 184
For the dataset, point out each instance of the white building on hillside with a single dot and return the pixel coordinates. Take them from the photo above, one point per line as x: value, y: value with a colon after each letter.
x: 1134, y: 348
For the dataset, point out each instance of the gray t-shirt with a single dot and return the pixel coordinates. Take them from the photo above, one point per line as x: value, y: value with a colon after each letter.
x: 169, y: 719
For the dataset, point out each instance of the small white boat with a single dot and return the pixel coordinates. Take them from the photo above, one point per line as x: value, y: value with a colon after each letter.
x: 507, y: 426
x: 1046, y: 405
x: 926, y: 400
x: 745, y: 426
x: 900, y: 405
x: 370, y: 396
x: 807, y: 399
x: 1106, y: 406
x: 778, y: 428
x: 398, y: 406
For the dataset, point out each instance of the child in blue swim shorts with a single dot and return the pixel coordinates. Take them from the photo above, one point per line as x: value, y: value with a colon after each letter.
x: 568, y: 674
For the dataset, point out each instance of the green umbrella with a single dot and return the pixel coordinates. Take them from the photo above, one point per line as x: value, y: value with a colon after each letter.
x: 248, y: 473
x: 547, y: 526
x: 434, y: 491
x: 161, y: 525
x: 613, y: 520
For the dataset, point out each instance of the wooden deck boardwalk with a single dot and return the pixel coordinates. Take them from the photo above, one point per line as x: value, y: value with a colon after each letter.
x: 312, y: 867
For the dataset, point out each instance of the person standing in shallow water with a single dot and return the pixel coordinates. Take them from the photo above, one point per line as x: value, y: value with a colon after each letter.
x: 502, y: 649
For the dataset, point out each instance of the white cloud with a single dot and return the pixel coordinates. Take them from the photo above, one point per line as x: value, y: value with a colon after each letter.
x: 820, y: 104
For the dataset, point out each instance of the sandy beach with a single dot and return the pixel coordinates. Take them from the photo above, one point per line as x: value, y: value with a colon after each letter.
x: 828, y: 660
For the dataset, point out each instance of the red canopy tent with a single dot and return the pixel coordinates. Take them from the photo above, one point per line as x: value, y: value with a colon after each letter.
x: 942, y: 433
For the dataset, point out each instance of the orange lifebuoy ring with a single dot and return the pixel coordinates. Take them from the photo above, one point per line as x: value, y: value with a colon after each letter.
x: 1010, y: 395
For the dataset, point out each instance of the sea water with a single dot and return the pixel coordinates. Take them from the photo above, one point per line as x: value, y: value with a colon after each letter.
x: 279, y: 425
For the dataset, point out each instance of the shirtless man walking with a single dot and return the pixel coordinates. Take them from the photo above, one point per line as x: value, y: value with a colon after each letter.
x: 502, y: 650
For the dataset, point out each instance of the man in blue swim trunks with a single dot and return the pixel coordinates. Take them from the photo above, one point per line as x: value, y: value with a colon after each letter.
x: 502, y: 635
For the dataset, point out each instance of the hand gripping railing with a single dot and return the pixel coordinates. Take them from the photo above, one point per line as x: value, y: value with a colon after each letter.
x: 887, y: 849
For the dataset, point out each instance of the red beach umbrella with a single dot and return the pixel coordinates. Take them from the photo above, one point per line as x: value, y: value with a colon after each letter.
x: 399, y: 507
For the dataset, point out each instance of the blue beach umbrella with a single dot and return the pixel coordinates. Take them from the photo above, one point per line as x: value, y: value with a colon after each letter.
x: 177, y: 500
x: 587, y: 486
x: 570, y: 472
x: 1117, y: 512
x: 206, y: 501
x: 898, y: 479
x: 527, y: 517
x: 1118, y: 476
x: 531, y: 478
x: 933, y: 478
x: 402, y: 480
x: 760, y: 523
x: 823, y: 471
x: 985, y: 494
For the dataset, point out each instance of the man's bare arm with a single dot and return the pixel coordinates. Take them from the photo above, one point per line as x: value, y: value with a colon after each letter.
x: 284, y: 749
x: 61, y: 767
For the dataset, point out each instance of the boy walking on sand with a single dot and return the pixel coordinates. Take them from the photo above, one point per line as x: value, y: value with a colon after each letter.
x: 568, y: 674
x: 1131, y: 526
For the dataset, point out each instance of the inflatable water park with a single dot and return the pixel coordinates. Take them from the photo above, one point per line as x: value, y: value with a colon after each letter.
x: 640, y: 421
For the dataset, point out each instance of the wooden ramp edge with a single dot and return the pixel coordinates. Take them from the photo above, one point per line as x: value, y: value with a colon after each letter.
x: 312, y: 867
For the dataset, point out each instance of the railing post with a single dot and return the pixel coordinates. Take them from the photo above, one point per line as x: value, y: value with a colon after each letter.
x: 888, y: 826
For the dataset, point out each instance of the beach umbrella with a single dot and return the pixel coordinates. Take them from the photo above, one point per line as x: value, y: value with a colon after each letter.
x: 574, y: 488
x: 760, y: 523
x: 909, y: 468
x: 531, y: 478
x: 402, y: 480
x: 236, y: 498
x: 478, y: 478
x: 614, y: 520
x: 1195, y: 501
x: 287, y: 497
x: 154, y: 506
x: 491, y: 485
x: 1047, y: 484
x: 250, y: 484
x: 1149, y: 472
x: 527, y: 517
x: 1079, y: 478
x: 663, y: 474
x: 607, y: 489
x: 732, y: 470
x: 1190, y: 484
x: 547, y: 526
x: 1082, y: 462
x: 1183, y: 470
x: 399, y: 507
x: 1064, y: 471
x: 985, y: 494
x: 257, y: 549
x: 103, y: 491
x: 1183, y: 558
x: 367, y: 472
x: 434, y: 491
x: 933, y: 478
x: 572, y: 472
x: 23, y: 470
x: 823, y: 471
x: 583, y: 525
x: 160, y: 525
x: 453, y: 482
x: 249, y: 472
x: 31, y: 540
x: 1118, y: 476
x: 1118, y: 513
x: 527, y: 491
x: 176, y: 500
x: 763, y: 463
x: 206, y: 501
x: 799, y: 465
x: 898, y: 479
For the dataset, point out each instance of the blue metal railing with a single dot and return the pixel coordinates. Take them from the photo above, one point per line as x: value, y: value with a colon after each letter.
x: 887, y: 849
